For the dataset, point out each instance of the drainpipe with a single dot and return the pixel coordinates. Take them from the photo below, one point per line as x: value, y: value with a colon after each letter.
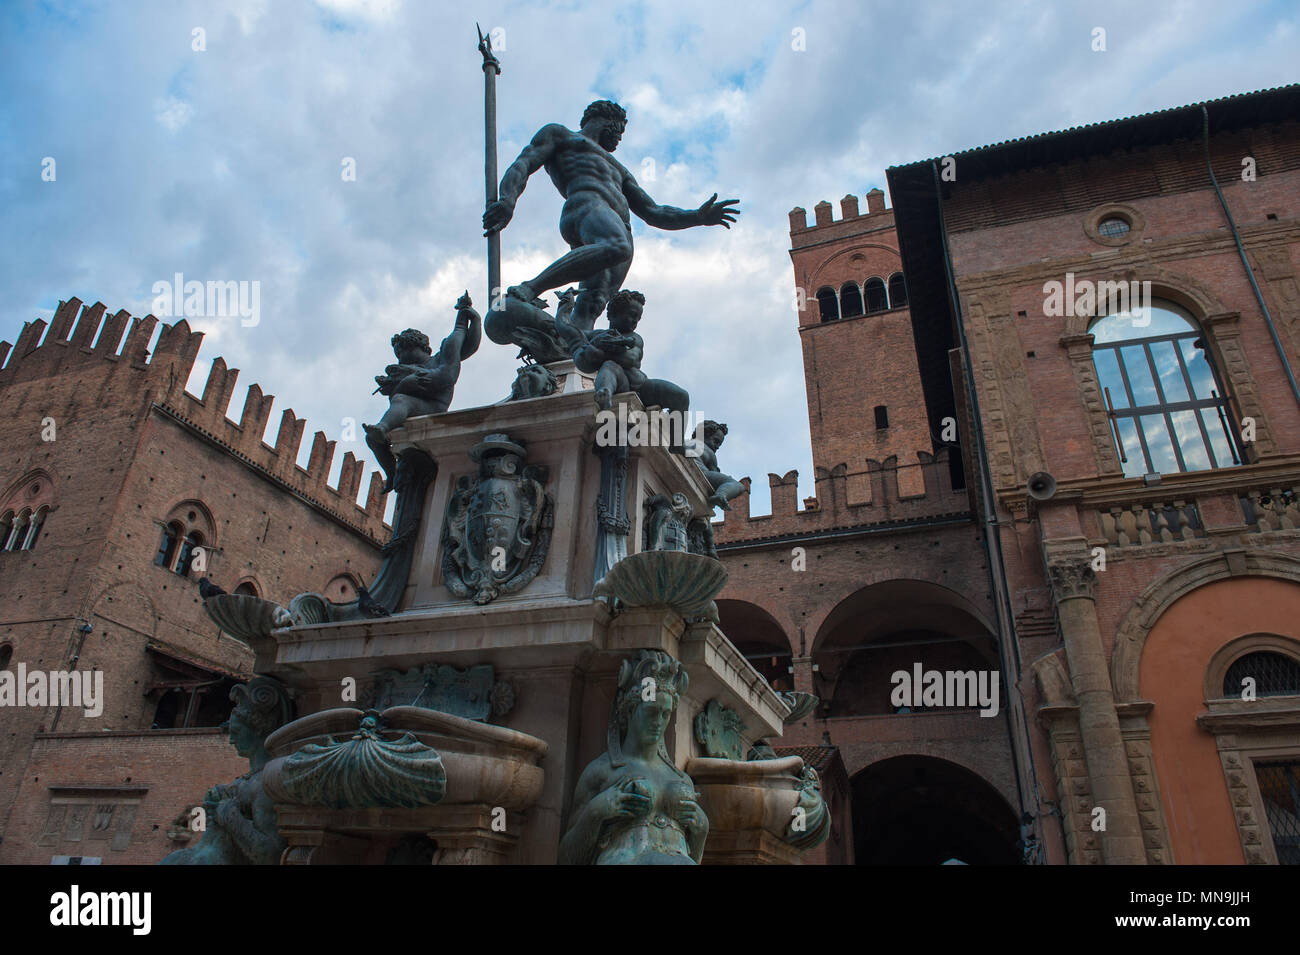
x: 1245, y: 262
x: 993, y: 538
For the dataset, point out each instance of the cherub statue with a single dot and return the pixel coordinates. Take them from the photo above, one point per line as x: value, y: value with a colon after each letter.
x: 632, y: 806
x: 421, y: 382
x: 240, y: 818
x: 725, y: 487
x: 615, y: 354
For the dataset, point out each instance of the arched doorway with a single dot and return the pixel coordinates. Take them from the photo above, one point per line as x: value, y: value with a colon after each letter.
x: 920, y: 810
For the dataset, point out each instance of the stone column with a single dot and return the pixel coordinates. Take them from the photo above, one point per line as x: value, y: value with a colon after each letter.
x: 1074, y: 584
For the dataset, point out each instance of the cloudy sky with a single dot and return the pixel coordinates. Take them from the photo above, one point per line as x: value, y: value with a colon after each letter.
x: 226, y: 163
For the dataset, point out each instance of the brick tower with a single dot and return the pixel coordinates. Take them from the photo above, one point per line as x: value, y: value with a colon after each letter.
x: 864, y: 389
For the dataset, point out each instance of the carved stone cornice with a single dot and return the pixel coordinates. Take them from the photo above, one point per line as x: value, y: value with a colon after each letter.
x: 1072, y: 577
x: 1223, y: 323
x: 1238, y: 716
x: 1276, y: 471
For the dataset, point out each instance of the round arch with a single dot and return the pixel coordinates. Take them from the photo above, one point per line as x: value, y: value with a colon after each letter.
x: 923, y: 810
x: 202, y: 521
x: 758, y: 636
x: 912, y: 604
x: 894, y: 626
x: 1173, y: 286
x: 1131, y: 637
x: 826, y: 263
x: 1235, y: 650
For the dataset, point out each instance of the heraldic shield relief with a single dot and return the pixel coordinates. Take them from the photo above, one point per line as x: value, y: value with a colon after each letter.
x: 498, y: 524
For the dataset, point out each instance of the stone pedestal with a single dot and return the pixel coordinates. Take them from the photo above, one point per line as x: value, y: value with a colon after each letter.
x: 556, y: 646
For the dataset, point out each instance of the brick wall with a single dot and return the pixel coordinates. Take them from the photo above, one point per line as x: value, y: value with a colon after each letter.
x: 131, y: 451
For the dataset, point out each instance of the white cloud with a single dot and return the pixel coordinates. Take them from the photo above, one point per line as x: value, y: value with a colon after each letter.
x: 716, y: 96
x: 172, y: 113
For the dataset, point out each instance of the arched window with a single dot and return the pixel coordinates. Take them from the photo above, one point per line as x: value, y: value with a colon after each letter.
x: 188, y: 525
x: 897, y: 291
x: 192, y: 540
x: 1167, y: 410
x: 18, y: 536
x: 247, y: 589
x: 166, y: 556
x: 1274, y: 674
x: 877, y: 299
x: 850, y: 300
x: 828, y: 304
x: 23, y: 510
x: 34, y: 534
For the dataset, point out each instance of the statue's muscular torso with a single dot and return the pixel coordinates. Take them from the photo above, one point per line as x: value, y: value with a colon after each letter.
x: 582, y: 169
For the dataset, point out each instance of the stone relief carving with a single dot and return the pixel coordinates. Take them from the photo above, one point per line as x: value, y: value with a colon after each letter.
x: 364, y: 772
x: 498, y: 524
x: 718, y: 730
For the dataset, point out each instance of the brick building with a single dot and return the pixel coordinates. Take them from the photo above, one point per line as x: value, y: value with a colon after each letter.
x: 882, y: 568
x: 113, y: 482
x: 1111, y: 317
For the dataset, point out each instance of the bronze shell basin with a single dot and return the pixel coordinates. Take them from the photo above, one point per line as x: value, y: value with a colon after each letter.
x: 683, y: 582
x: 484, y: 764
x: 246, y: 617
x: 752, y: 795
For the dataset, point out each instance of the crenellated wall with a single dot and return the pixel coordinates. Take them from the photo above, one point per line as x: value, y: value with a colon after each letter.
x: 105, y: 441
x: 163, y: 374
x: 847, y: 499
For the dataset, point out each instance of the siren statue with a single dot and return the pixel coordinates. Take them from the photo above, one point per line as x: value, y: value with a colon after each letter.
x: 632, y: 806
x: 240, y: 817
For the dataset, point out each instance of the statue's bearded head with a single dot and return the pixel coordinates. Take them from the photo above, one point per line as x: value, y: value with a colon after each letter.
x: 610, y: 120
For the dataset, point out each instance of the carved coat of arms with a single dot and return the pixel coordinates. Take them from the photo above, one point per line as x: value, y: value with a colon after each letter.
x: 498, y: 525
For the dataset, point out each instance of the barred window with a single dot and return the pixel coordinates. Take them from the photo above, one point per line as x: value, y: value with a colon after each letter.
x: 1275, y: 674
